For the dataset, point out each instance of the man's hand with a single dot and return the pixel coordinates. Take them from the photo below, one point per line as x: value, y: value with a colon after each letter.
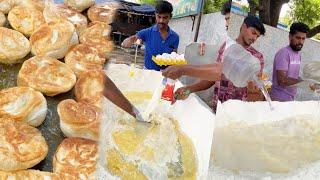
x: 210, y: 72
x: 252, y: 87
x: 284, y: 80
x: 254, y: 93
x: 312, y: 87
x: 111, y: 92
x: 173, y: 72
x: 315, y: 87
x: 182, y: 93
x: 138, y: 42
x: 127, y: 43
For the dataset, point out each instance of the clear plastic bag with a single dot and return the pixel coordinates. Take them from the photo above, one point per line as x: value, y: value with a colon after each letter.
x: 311, y: 72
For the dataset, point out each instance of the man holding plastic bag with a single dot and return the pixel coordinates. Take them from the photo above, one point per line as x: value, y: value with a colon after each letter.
x: 225, y: 89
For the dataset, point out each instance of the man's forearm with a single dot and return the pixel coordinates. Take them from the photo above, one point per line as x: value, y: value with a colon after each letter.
x: 290, y: 81
x: 129, y: 41
x: 284, y: 80
x: 200, y: 86
x: 112, y: 93
x: 209, y: 72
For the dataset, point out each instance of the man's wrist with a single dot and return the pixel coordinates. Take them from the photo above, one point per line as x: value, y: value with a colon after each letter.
x: 185, y: 70
x: 187, y: 91
x: 190, y: 89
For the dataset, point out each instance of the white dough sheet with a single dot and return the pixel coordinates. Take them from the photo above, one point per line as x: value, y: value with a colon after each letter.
x: 251, y: 141
x: 194, y: 117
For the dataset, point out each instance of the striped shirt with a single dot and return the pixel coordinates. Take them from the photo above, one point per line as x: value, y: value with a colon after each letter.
x: 224, y: 89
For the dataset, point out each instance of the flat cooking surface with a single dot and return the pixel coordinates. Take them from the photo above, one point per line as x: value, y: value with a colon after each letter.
x: 50, y: 128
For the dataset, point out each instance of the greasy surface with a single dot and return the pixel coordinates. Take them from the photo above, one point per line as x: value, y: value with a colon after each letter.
x: 76, y: 157
x: 50, y: 128
x: 21, y: 146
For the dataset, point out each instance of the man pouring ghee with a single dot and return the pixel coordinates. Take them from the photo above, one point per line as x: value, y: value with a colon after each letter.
x: 158, y: 39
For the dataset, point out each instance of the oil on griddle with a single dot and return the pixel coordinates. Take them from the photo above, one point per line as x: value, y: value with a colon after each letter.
x: 50, y: 128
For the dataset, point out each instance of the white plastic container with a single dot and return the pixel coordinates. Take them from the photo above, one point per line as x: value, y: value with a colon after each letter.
x: 239, y: 66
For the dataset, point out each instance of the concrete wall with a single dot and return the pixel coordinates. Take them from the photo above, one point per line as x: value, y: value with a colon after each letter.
x: 212, y: 31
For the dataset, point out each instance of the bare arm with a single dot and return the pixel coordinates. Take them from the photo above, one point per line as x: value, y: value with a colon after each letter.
x: 112, y: 93
x: 200, y: 86
x: 210, y: 72
x: 127, y: 43
x: 182, y: 93
x: 284, y: 80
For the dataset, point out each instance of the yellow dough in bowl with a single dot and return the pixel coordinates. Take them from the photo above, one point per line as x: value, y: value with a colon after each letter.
x: 158, y: 150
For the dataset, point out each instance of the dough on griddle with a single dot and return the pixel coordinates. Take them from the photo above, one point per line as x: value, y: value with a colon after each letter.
x: 105, y: 12
x: 25, y: 20
x: 79, y: 119
x: 13, y: 46
x: 23, y: 104
x: 76, y: 157
x: 79, y: 5
x: 54, y: 39
x: 83, y: 58
x: 21, y: 146
x: 98, y: 35
x: 89, y: 87
x: 54, y: 12
x: 47, y: 75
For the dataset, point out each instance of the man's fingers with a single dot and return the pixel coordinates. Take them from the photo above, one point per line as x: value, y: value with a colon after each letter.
x: 171, y: 72
x: 165, y: 73
x: 169, y: 75
x: 312, y: 87
x: 138, y: 41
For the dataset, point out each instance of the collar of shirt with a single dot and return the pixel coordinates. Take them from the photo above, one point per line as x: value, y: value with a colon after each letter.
x: 156, y: 28
x: 292, y: 51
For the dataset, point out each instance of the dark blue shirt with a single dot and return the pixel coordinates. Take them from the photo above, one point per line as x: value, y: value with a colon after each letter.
x: 155, y: 45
